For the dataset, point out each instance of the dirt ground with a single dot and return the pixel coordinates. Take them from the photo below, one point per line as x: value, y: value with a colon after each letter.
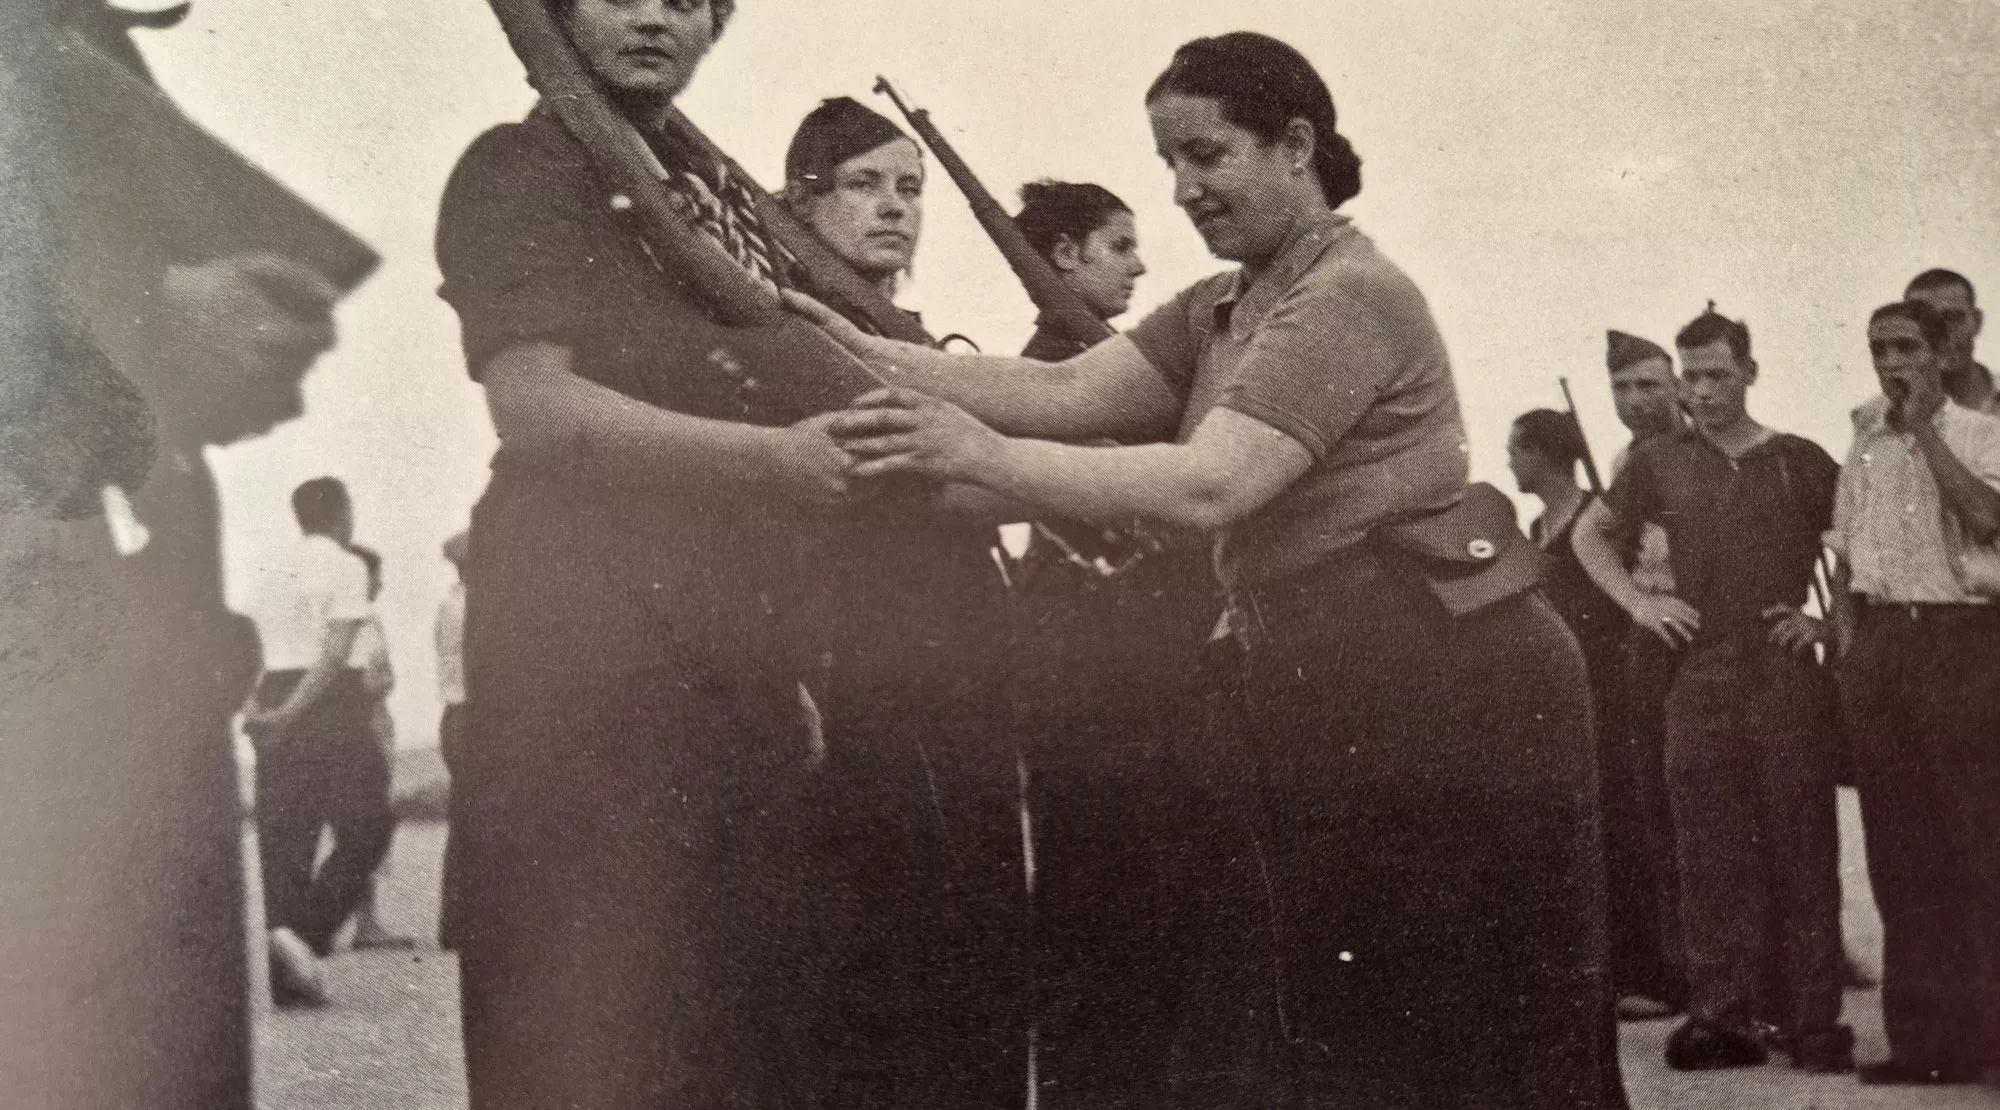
x: 390, y: 1040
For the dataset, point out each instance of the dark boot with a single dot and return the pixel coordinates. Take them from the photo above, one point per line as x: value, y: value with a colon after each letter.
x: 1704, y: 1046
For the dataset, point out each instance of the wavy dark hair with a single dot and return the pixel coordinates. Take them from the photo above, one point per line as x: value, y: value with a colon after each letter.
x: 1052, y: 210
x: 1929, y: 321
x: 1263, y: 85
x: 1711, y: 327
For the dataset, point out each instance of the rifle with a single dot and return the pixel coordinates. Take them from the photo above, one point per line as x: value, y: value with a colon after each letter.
x: 1058, y: 302
x: 1589, y: 463
x: 828, y: 272
x: 826, y: 375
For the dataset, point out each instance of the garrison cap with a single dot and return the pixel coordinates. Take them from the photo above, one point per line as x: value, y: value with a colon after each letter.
x: 1623, y: 350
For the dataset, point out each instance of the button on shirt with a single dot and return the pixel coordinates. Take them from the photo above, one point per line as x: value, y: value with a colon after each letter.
x: 317, y: 583
x: 1888, y: 521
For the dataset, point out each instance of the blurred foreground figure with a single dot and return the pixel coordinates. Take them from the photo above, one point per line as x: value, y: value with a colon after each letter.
x: 127, y: 351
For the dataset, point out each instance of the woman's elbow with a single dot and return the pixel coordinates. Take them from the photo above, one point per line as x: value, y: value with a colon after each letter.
x: 1208, y: 506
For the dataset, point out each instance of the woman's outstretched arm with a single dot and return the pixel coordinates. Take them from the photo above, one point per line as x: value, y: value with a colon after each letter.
x: 1229, y: 468
x: 1108, y: 392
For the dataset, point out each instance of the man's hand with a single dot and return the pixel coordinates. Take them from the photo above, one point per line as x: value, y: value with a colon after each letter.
x: 253, y: 307
x: 1792, y: 630
x: 1672, y: 620
x: 240, y: 333
x: 1914, y: 399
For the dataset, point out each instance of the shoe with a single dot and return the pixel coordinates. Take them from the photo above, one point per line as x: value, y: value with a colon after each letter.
x: 1639, y: 1007
x: 1895, y: 1073
x: 1823, y: 1051
x: 295, y: 974
x: 1704, y: 1046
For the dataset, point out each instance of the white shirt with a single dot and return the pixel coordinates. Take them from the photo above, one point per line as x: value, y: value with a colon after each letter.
x: 450, y: 636
x: 1888, y: 516
x: 318, y: 583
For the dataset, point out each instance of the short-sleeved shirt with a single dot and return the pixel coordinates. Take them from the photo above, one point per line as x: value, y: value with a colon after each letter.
x: 317, y: 584
x: 1888, y: 518
x: 1333, y: 345
x: 535, y: 246
x: 1743, y: 532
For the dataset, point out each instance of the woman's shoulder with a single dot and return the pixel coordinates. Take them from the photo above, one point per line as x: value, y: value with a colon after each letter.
x: 533, y: 151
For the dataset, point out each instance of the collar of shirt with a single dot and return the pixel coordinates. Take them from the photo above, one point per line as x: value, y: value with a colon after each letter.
x: 1244, y: 304
x: 1871, y: 417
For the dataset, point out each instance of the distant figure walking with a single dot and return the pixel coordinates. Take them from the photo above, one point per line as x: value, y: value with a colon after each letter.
x: 318, y: 764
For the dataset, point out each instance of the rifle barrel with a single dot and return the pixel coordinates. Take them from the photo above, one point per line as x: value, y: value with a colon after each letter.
x: 1589, y: 462
x: 1060, y: 304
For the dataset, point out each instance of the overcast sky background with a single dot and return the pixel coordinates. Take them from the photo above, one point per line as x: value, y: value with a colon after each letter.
x: 1543, y: 170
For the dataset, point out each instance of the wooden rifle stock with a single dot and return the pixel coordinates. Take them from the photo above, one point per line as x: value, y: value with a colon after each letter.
x: 825, y: 375
x: 1589, y: 463
x: 1060, y: 304
x: 828, y: 272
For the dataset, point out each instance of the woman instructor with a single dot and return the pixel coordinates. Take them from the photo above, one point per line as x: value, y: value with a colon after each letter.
x: 627, y: 674
x: 1410, y: 794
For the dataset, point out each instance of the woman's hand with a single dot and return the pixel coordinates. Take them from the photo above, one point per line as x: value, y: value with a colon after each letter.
x: 901, y: 431
x: 808, y: 465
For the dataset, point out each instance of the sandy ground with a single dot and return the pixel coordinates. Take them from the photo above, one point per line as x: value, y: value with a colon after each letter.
x: 390, y: 1041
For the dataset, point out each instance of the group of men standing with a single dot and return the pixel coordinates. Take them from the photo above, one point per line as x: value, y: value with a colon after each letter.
x: 1733, y: 711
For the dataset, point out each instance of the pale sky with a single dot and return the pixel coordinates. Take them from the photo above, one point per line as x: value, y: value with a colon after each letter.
x: 1543, y: 170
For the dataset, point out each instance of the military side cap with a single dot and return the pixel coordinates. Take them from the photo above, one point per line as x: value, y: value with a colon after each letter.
x: 1623, y: 350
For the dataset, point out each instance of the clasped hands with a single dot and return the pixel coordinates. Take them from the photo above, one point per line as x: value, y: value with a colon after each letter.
x: 888, y: 433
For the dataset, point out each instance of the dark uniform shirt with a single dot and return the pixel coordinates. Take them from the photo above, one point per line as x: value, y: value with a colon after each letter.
x: 533, y: 248
x: 1742, y: 532
x: 1050, y: 344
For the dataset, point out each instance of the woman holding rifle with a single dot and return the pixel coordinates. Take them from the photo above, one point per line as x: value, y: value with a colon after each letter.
x: 917, y: 850
x: 1402, y: 847
x: 638, y: 713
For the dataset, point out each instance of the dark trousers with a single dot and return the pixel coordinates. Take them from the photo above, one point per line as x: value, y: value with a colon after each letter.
x: 1424, y: 872
x: 326, y: 771
x: 1921, y: 688
x: 1109, y: 958
x: 1647, y: 954
x: 1752, y: 789
x: 914, y: 997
